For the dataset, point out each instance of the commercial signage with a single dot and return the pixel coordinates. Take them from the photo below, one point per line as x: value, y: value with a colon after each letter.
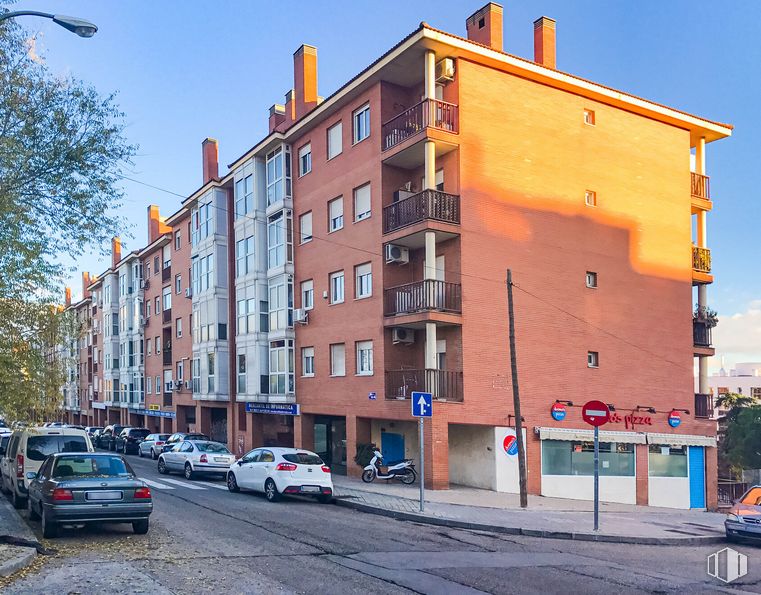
x: 632, y: 420
x: 154, y: 407
x: 510, y: 445
x: 558, y: 411
x: 154, y: 413
x: 274, y: 408
x: 675, y: 418
x: 98, y: 405
x: 595, y: 413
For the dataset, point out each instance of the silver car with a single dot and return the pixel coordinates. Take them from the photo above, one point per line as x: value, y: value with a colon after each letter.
x: 152, y: 445
x: 195, y: 457
x: 744, y: 518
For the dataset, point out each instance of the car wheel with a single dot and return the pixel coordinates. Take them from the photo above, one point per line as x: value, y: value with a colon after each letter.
x: 140, y: 527
x: 270, y: 491
x: 232, y: 484
x: 325, y: 498
x: 139, y: 452
x: 32, y: 512
x: 49, y: 528
x: 188, y: 471
x: 154, y: 456
x: 162, y: 467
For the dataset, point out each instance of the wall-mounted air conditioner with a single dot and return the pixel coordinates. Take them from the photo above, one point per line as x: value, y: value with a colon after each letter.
x: 445, y: 70
x: 301, y: 315
x: 402, y: 194
x: 397, y: 254
x: 188, y: 292
x: 402, y: 335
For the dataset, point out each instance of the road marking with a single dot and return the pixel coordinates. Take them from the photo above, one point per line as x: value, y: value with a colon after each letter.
x: 190, y: 486
x: 155, y: 484
x: 219, y: 486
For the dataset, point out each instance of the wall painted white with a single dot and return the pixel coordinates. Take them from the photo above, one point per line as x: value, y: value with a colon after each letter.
x: 669, y: 492
x: 507, y: 475
x: 581, y: 487
x: 472, y: 458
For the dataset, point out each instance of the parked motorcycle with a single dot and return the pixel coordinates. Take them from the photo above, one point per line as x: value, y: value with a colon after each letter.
x: 404, y: 470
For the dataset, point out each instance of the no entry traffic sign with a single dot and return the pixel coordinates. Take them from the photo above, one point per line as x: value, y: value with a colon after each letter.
x: 595, y: 413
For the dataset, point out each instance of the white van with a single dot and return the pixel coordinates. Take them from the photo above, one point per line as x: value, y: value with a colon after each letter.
x: 26, y: 451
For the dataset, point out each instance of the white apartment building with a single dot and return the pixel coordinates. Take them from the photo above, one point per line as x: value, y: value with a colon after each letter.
x: 744, y: 378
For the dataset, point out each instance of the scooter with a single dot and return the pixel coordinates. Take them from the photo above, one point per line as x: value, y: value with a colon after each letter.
x: 404, y: 470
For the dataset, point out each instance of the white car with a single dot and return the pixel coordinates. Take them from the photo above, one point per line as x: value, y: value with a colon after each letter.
x: 194, y: 457
x: 276, y: 471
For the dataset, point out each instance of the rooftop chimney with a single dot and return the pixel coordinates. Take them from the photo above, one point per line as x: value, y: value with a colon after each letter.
x: 85, y: 284
x: 67, y: 299
x: 277, y: 116
x: 156, y: 225
x: 485, y: 26
x: 116, y: 251
x: 290, y: 107
x: 210, y: 151
x: 544, y: 42
x: 305, y: 79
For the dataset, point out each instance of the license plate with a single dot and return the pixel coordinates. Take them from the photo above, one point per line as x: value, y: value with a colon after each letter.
x: 103, y: 495
x: 221, y: 459
x: 310, y: 489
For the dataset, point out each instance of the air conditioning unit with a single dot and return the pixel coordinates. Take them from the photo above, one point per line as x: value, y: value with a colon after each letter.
x: 402, y: 335
x: 145, y: 284
x: 187, y: 384
x: 142, y: 284
x: 445, y: 70
x: 142, y: 321
x: 301, y: 315
x: 397, y: 254
x: 177, y: 384
x: 188, y: 292
x: 402, y: 194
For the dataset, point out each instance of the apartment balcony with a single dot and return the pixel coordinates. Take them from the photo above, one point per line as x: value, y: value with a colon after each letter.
x: 166, y: 357
x: 701, y: 338
x: 428, y: 205
x: 415, y: 303
x: 700, y: 192
x: 166, y: 316
x: 166, y: 274
x: 167, y: 399
x: 701, y: 266
x: 703, y: 406
x: 444, y: 385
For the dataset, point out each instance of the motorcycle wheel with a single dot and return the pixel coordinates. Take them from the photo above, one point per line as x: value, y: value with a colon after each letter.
x: 408, y: 477
x: 368, y: 476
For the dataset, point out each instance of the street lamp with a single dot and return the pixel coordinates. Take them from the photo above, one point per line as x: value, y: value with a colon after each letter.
x: 76, y: 25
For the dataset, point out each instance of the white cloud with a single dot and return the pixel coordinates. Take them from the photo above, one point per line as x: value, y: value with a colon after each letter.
x: 737, y: 337
x: 31, y: 49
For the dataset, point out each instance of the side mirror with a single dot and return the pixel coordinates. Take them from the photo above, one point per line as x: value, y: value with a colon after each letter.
x: 31, y: 475
x: 240, y: 462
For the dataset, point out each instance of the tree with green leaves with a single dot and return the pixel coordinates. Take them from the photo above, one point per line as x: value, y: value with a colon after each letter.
x: 733, y: 401
x: 741, y: 443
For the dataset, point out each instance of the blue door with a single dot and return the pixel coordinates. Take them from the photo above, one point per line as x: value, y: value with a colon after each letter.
x: 392, y: 447
x: 697, y: 469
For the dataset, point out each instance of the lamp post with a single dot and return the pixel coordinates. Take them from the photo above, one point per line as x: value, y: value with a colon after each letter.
x: 76, y: 25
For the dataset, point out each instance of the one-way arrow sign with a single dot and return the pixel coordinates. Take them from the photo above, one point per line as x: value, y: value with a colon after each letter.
x: 422, y: 404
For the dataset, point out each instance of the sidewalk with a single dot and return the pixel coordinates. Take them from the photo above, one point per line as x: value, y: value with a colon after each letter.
x: 13, y: 530
x: 559, y: 518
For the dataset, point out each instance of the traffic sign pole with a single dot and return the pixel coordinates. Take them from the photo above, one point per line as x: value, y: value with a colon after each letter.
x: 422, y: 465
x: 422, y: 407
x: 597, y: 477
x: 596, y: 413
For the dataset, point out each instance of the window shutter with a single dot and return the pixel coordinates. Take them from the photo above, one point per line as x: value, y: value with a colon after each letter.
x: 362, y: 202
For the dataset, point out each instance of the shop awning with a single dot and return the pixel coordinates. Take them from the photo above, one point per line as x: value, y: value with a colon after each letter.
x: 681, y: 440
x: 588, y: 435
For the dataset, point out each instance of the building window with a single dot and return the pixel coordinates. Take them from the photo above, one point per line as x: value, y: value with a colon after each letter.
x: 280, y: 304
x: 335, y: 214
x: 177, y: 241
x: 364, y: 358
x: 338, y: 359
x: 591, y: 279
x: 337, y: 287
x: 166, y: 294
x: 275, y: 177
x: 178, y: 284
x: 157, y: 303
x: 362, y: 202
x: 147, y: 269
x: 180, y: 370
x: 275, y: 241
x: 244, y: 196
x: 241, y: 374
x: 562, y: 457
x: 148, y: 347
x: 201, y: 223
x: 281, y: 367
x: 307, y: 361
x: 244, y: 256
x: 363, y: 281
x: 157, y: 386
x: 667, y: 461
x: 196, y: 375
x: 593, y: 359
x: 590, y: 197
x: 589, y: 117
x: 361, y: 119
x: 148, y: 385
x: 178, y: 326
x: 307, y: 294
x: 305, y: 227
x: 210, y: 361
x: 305, y: 159
x: 335, y: 140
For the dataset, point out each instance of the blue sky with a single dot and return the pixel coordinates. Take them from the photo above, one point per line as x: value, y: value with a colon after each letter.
x: 185, y: 70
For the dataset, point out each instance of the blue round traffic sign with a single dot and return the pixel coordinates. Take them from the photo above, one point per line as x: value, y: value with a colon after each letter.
x: 675, y: 418
x: 558, y: 411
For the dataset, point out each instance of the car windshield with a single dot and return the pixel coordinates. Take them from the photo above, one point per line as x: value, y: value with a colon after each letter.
x: 196, y: 437
x: 303, y: 458
x: 90, y: 466
x: 753, y: 497
x: 212, y: 447
x: 162, y: 437
x: 38, y: 448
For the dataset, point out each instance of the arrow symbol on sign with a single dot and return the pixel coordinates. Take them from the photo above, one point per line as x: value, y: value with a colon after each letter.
x: 422, y: 404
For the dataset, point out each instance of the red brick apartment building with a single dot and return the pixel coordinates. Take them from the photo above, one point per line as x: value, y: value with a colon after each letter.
x: 358, y: 253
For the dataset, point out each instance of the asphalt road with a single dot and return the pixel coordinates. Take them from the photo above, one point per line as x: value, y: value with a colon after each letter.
x: 204, y: 539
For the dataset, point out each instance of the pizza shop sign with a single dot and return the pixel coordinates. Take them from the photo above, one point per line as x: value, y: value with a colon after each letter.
x: 631, y: 420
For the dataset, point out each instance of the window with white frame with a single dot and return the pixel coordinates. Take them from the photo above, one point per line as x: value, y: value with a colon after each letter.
x: 166, y: 295
x: 178, y: 327
x: 148, y: 347
x: 275, y: 241
x: 307, y: 294
x: 337, y: 287
x: 178, y: 284
x: 363, y: 280
x: 244, y: 196
x: 203, y: 272
x: 338, y: 359
x: 305, y: 159
x: 168, y: 382
x: 197, y: 375
x: 591, y: 279
x: 593, y: 359
x: 210, y: 372
x: 305, y: 227
x: 280, y: 303
x: 177, y: 243
x: 157, y: 343
x: 244, y: 256
x: 336, y: 214
x: 281, y: 367
x: 362, y: 202
x: 307, y: 361
x: 157, y: 386
x: 275, y: 177
x: 335, y: 140
x: 364, y: 358
x: 241, y: 373
x: 149, y: 384
x: 590, y: 198
x: 361, y: 119
x: 180, y: 370
x: 201, y: 223
x: 157, y: 304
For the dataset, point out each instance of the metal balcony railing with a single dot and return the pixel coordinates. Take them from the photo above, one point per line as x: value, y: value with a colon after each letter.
x: 428, y: 204
x: 701, y: 259
x: 166, y: 274
x: 700, y: 186
x: 166, y: 315
x: 703, y: 406
x: 701, y: 333
x: 445, y: 385
x: 431, y: 113
x: 421, y: 296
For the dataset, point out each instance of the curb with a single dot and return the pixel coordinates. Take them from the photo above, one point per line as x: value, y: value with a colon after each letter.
x: 24, y: 559
x: 444, y: 522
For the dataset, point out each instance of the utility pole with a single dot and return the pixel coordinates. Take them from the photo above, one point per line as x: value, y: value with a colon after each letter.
x: 516, y: 395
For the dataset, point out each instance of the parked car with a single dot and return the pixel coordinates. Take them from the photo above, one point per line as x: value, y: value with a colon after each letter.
x: 129, y: 440
x: 152, y: 445
x: 28, y: 448
x: 277, y: 471
x: 4, y: 439
x: 180, y: 436
x: 193, y: 457
x: 744, y: 518
x: 91, y: 431
x: 75, y: 426
x: 88, y: 487
x: 107, y: 438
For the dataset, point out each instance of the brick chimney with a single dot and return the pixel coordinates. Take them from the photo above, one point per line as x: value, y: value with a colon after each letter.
x: 544, y: 42
x: 290, y: 107
x: 305, y: 79
x: 277, y: 116
x: 485, y: 26
x: 67, y: 299
x: 85, y: 284
x: 210, y: 152
x: 116, y: 251
x: 156, y: 225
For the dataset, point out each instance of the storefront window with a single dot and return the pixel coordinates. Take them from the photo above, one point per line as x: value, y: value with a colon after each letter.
x: 562, y: 457
x: 667, y: 461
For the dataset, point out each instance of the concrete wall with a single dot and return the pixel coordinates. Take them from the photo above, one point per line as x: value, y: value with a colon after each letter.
x: 408, y: 429
x: 472, y: 460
